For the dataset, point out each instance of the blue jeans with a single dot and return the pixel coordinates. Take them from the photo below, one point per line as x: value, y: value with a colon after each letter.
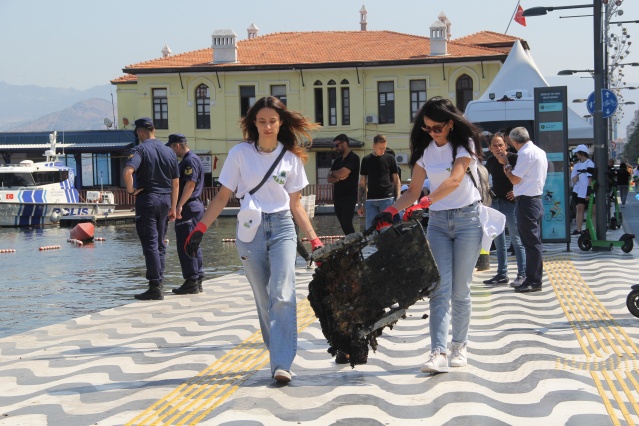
x: 508, y: 209
x: 269, y: 265
x: 374, y: 207
x: 454, y: 237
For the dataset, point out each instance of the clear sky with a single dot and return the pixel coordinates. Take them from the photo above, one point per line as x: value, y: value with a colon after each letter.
x: 84, y: 43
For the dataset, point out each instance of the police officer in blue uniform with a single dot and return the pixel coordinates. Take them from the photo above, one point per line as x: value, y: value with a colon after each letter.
x: 189, y: 212
x: 157, y: 180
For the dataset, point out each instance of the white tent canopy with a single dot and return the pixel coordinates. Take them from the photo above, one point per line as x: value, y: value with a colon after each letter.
x: 520, y: 74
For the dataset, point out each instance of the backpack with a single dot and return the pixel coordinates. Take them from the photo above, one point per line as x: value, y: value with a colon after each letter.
x: 482, y: 184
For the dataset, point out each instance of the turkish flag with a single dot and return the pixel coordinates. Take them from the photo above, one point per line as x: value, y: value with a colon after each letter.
x: 519, y: 16
x: 215, y: 163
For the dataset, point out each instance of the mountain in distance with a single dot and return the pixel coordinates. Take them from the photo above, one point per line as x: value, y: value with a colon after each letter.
x: 23, y: 106
x: 84, y: 115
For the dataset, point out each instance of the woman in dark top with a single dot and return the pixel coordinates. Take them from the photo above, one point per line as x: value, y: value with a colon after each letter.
x: 623, y: 182
x: 504, y: 201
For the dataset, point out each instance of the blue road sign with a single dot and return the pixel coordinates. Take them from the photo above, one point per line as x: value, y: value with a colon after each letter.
x: 609, y: 101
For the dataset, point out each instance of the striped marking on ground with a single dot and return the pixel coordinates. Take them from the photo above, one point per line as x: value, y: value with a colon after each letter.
x: 611, y: 356
x: 190, y: 402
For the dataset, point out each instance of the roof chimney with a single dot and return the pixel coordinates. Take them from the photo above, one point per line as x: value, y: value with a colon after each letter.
x: 442, y: 17
x: 166, y: 51
x: 362, y: 18
x: 224, y: 46
x: 252, y: 31
x: 438, y: 39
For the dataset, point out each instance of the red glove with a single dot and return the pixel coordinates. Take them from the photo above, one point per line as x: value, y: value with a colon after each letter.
x: 316, y: 244
x: 385, y: 218
x: 192, y: 243
x: 423, y: 204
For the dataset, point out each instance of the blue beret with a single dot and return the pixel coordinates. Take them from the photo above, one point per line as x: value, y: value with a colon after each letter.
x: 145, y: 123
x: 176, y: 138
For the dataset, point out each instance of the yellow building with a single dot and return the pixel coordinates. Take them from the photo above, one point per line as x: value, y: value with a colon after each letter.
x: 360, y: 83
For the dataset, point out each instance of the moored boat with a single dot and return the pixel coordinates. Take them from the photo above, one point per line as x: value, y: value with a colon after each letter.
x: 40, y: 193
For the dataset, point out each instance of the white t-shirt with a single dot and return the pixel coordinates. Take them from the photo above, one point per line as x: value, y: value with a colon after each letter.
x: 581, y: 187
x: 532, y: 168
x: 438, y: 163
x: 245, y: 168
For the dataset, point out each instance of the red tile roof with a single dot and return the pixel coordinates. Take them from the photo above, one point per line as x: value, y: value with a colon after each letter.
x: 490, y: 39
x: 325, y: 47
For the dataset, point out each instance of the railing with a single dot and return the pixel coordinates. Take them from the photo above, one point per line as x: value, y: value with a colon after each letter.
x: 323, y: 195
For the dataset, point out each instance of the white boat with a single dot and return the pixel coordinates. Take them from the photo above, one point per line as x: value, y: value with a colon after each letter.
x: 41, y: 193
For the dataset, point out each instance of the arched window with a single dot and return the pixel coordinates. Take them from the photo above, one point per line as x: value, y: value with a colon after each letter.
x: 464, y: 89
x: 202, y: 107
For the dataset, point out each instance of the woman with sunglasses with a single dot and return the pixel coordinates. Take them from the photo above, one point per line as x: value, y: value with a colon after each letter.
x: 445, y: 145
x: 269, y: 258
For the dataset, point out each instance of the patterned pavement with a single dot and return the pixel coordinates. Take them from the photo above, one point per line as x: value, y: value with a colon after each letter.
x: 566, y: 355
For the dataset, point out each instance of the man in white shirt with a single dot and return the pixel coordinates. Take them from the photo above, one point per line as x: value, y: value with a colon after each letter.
x: 528, y: 179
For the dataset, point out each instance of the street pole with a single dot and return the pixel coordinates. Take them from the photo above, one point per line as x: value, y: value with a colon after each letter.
x: 599, y: 126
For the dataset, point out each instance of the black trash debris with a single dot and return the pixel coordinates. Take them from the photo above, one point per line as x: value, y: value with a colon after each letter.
x: 356, y: 297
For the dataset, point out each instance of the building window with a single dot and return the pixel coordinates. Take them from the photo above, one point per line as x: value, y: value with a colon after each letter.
x: 96, y: 169
x: 160, y: 109
x: 319, y: 103
x: 279, y: 91
x: 386, y: 102
x: 332, y: 105
x: 417, y: 97
x: 464, y: 88
x: 247, y: 99
x: 202, y: 107
x: 346, y: 106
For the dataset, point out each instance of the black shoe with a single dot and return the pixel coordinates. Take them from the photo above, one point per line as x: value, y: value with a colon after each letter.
x: 199, y: 284
x: 527, y: 287
x: 189, y: 287
x: 153, y: 293
x: 342, y: 358
x: 497, y: 279
x: 575, y: 232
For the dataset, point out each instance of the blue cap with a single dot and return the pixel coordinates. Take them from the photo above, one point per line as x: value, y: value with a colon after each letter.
x: 176, y: 138
x: 144, y: 123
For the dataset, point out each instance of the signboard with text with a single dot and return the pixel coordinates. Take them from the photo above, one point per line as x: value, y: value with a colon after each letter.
x: 551, y: 121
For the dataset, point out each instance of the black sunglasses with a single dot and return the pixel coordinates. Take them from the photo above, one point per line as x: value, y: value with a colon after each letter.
x: 338, y: 144
x: 435, y: 129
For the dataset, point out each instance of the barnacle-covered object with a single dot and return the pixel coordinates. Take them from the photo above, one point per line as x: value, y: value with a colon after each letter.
x: 355, y: 296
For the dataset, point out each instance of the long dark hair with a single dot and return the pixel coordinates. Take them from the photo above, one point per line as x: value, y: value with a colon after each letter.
x: 441, y: 110
x: 294, y: 128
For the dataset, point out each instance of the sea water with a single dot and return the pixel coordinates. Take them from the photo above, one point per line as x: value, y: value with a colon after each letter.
x: 43, y: 287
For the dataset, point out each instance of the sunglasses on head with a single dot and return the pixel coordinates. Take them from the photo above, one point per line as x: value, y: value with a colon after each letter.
x: 434, y: 129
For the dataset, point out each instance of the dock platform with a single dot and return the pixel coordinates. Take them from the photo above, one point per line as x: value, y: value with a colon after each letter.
x: 567, y: 355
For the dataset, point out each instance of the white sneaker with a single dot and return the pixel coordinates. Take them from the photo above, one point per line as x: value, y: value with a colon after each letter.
x: 458, y: 355
x: 282, y: 376
x: 518, y: 281
x: 437, y: 363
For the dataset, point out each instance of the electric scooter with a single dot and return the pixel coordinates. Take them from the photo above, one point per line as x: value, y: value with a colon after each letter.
x: 586, y: 240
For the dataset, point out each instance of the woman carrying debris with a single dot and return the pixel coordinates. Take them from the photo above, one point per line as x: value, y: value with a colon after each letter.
x: 445, y: 145
x: 267, y: 242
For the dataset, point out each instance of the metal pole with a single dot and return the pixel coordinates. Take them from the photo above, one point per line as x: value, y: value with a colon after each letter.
x: 599, y: 125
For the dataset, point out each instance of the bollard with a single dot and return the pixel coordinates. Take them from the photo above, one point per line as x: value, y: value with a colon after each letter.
x: 483, y: 261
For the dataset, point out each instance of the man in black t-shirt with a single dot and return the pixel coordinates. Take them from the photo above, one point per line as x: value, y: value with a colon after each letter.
x: 343, y: 175
x: 379, y: 184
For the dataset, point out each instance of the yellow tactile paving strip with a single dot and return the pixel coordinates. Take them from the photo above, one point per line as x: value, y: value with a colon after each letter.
x: 190, y: 402
x: 610, y: 354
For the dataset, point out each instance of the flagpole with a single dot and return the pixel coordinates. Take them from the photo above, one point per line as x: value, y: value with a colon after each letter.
x: 512, y: 17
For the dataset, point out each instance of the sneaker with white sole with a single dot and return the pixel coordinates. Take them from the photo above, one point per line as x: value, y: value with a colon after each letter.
x: 282, y: 376
x: 437, y: 363
x: 518, y: 281
x: 458, y: 355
